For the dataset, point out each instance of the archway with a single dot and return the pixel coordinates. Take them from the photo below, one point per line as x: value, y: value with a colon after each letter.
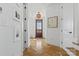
x: 39, y: 25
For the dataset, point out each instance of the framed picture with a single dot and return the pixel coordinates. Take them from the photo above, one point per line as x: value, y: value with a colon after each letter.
x: 53, y: 22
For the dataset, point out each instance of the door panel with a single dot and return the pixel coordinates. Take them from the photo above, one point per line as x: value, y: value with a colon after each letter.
x: 6, y: 40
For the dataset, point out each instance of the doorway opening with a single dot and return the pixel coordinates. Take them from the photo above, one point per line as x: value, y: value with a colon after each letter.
x: 39, y: 29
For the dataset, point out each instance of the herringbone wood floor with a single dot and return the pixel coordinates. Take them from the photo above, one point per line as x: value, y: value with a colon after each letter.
x: 47, y: 50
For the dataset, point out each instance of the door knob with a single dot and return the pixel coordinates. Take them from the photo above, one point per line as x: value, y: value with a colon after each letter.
x: 70, y: 32
x: 17, y: 35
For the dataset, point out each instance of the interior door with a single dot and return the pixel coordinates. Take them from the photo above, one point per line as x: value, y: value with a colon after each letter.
x: 39, y: 29
x: 67, y: 25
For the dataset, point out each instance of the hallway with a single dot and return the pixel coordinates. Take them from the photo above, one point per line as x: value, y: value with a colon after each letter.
x: 38, y: 29
x: 45, y: 49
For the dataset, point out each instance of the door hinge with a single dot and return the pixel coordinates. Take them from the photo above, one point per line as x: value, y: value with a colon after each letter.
x: 61, y: 6
x: 24, y: 41
x: 61, y: 42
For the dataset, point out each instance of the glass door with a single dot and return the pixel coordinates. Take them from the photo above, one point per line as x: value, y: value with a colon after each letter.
x: 39, y: 29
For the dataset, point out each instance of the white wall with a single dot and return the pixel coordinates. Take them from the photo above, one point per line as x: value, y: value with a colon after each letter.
x: 53, y: 34
x: 75, y: 21
x: 76, y: 25
x: 9, y: 26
